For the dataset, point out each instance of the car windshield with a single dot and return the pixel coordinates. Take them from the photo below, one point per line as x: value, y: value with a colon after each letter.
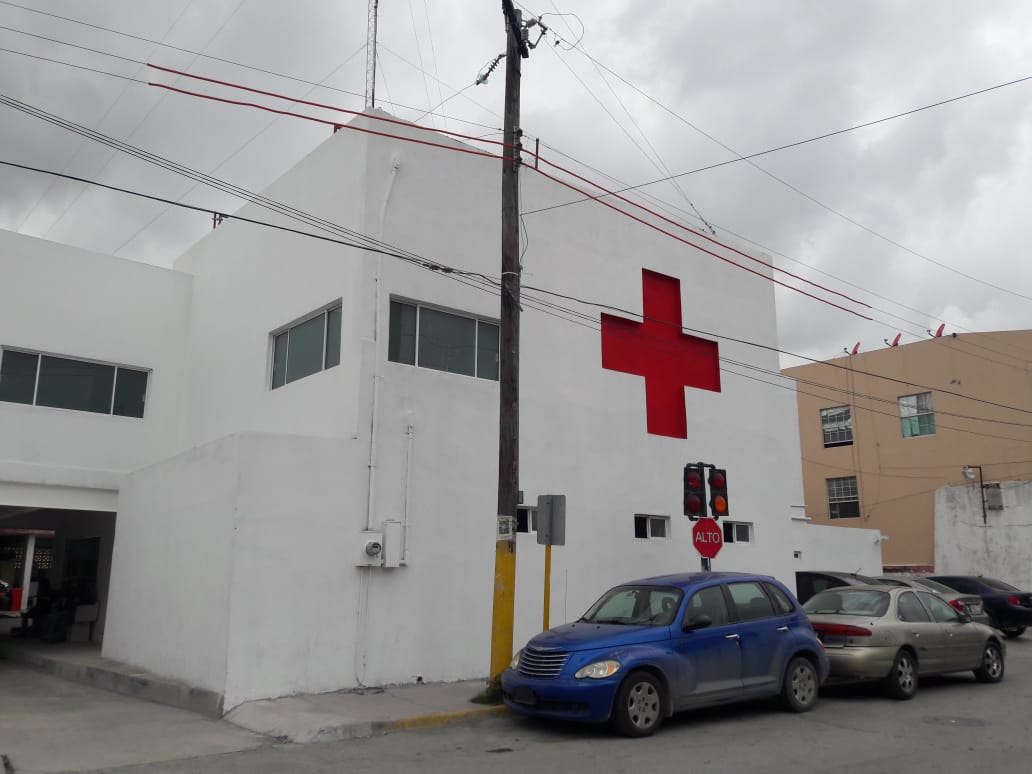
x: 847, y: 601
x: 636, y: 606
x: 938, y: 588
x: 999, y: 585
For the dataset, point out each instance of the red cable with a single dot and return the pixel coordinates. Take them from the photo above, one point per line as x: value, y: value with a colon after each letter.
x: 698, y: 233
x: 624, y: 199
x: 327, y: 107
x: 473, y: 152
x: 470, y: 151
x: 697, y: 247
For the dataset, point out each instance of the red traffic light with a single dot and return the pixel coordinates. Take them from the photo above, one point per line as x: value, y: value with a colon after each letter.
x: 694, y: 492
x: 717, y: 480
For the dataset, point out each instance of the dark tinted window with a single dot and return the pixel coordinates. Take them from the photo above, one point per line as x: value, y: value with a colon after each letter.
x: 333, y: 337
x: 18, y: 376
x: 401, y: 342
x: 961, y: 584
x: 74, y: 384
x: 447, y: 342
x: 130, y: 392
x: 910, y: 609
x: 707, y: 602
x: 849, y: 601
x: 749, y: 601
x: 487, y: 350
x: 305, y: 348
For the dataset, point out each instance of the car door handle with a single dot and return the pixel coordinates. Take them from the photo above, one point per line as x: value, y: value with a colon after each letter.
x: 733, y: 637
x: 916, y: 634
x: 782, y: 629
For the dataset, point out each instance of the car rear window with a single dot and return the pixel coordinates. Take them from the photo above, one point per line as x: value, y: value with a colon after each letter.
x: 848, y: 601
x: 938, y: 588
x: 999, y: 585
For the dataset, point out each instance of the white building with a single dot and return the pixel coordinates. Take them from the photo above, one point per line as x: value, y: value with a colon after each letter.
x: 238, y: 500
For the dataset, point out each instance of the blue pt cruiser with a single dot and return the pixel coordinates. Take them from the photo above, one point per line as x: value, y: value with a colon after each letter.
x: 656, y: 646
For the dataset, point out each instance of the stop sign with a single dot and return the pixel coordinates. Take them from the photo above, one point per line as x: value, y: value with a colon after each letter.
x: 708, y: 538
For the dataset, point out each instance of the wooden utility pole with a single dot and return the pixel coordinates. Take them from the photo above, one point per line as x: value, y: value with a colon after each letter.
x: 509, y: 354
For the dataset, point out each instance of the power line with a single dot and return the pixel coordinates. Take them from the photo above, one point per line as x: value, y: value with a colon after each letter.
x: 546, y: 307
x: 659, y: 201
x: 149, y: 112
x: 748, y: 157
x: 330, y: 226
x: 78, y: 67
x: 230, y: 157
x: 772, y: 348
x: 254, y: 68
x: 642, y: 221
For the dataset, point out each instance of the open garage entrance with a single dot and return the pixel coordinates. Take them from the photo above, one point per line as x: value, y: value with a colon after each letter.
x: 55, y: 565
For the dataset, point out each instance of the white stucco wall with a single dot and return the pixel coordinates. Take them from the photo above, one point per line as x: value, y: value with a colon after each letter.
x: 65, y: 301
x: 168, y: 608
x: 835, y: 548
x: 294, y: 583
x: 235, y: 558
x: 999, y: 547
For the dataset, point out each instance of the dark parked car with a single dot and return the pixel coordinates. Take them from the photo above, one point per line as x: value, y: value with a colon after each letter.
x: 1009, y: 609
x: 652, y: 647
x: 811, y: 582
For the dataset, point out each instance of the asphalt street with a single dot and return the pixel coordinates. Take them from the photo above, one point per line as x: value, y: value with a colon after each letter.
x: 953, y: 725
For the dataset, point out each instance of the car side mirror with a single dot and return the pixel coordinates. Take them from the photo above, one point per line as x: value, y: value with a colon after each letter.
x: 698, y: 622
x: 964, y: 617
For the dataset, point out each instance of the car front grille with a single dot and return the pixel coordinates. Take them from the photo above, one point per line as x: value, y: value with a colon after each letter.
x: 542, y: 665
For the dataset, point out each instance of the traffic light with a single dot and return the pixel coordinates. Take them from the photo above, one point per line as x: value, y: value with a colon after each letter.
x: 694, y: 492
x: 718, y: 493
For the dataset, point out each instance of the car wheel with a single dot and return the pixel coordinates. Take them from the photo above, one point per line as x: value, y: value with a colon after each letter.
x: 902, y: 680
x: 799, y: 691
x: 639, y: 706
x: 991, y: 670
x: 1013, y: 632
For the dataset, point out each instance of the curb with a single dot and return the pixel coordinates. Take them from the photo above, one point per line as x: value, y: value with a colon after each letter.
x: 439, y: 719
x: 361, y: 729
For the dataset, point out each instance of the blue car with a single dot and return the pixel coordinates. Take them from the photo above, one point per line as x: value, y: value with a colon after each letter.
x: 656, y: 646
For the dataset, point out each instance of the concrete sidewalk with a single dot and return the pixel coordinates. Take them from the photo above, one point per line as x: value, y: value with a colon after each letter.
x: 362, y: 713
x: 301, y: 719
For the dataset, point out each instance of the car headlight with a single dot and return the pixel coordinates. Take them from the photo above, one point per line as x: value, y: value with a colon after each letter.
x: 599, y: 669
x: 515, y: 663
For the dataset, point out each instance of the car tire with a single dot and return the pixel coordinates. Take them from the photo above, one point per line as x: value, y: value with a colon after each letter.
x: 1013, y: 632
x: 800, y: 686
x: 902, y: 680
x: 991, y: 670
x: 640, y: 705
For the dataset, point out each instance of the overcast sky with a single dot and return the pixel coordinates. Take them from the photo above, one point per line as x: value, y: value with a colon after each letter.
x: 949, y: 186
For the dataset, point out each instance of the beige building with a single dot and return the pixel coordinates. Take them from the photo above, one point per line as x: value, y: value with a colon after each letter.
x: 881, y: 431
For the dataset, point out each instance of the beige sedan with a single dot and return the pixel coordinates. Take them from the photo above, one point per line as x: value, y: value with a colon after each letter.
x: 895, y: 634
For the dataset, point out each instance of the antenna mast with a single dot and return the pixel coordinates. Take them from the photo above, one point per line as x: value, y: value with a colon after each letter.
x: 370, y: 67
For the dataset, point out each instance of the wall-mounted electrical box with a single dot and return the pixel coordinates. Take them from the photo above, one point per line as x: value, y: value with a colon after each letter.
x: 393, y: 539
x: 370, y: 549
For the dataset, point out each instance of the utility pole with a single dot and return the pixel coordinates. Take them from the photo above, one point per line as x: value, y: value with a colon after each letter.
x: 509, y: 354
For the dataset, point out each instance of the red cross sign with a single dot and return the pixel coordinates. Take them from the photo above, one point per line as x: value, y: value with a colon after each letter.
x: 659, y: 350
